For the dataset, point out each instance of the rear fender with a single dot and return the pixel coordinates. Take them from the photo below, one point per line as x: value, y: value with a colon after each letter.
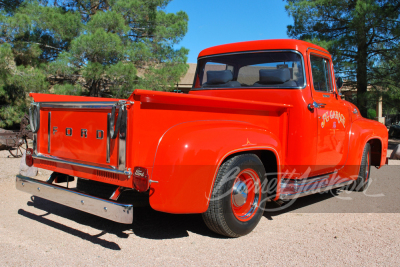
x: 188, y: 157
x: 363, y: 131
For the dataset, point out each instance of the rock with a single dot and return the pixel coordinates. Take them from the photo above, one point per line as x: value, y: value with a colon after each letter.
x: 396, y: 153
x: 25, y: 170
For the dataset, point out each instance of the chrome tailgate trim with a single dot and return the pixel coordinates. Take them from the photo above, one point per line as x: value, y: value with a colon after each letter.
x: 83, y: 105
x: 111, y: 210
x: 105, y: 168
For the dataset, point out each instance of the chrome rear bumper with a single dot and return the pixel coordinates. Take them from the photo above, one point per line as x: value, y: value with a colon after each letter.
x: 117, y: 212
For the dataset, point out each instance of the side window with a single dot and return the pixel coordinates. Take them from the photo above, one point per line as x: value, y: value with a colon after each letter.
x: 321, y: 74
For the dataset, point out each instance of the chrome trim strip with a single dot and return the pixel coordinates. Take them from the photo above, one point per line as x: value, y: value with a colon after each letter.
x: 70, y: 162
x: 314, y: 191
x: 249, y: 87
x: 108, y: 138
x: 92, y: 105
x: 111, y: 210
x: 317, y: 50
x: 49, y: 133
x: 310, y: 180
x: 122, y: 140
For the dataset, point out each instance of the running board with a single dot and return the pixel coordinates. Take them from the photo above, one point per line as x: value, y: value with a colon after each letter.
x: 291, y: 188
x: 111, y: 210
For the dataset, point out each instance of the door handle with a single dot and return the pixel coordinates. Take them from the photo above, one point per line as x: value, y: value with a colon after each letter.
x: 314, y: 105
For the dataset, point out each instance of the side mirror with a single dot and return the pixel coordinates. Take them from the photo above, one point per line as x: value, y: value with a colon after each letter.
x: 339, y: 83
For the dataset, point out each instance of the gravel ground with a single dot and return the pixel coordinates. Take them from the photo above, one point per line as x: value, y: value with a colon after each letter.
x: 35, y: 232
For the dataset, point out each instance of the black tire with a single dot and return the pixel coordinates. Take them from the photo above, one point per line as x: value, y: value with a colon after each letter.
x: 362, y: 182
x: 222, y: 215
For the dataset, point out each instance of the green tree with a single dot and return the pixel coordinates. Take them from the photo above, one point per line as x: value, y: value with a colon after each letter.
x: 86, y: 47
x: 387, y: 76
x: 360, y: 34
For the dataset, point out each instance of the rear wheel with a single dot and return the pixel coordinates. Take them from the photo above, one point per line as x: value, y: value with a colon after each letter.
x: 238, y: 197
x: 362, y: 182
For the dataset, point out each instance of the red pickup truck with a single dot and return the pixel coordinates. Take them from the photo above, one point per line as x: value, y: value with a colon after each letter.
x: 264, y: 121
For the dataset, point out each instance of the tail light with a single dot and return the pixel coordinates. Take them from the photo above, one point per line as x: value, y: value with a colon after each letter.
x: 141, y: 179
x: 28, y: 157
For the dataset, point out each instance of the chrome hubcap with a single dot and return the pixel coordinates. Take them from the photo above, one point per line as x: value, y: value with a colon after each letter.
x: 239, y: 195
x: 245, y: 195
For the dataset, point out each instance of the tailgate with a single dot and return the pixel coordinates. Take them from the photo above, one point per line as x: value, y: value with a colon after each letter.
x: 77, y: 133
x: 76, y: 136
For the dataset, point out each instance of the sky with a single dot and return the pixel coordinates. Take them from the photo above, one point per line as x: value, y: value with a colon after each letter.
x: 216, y: 22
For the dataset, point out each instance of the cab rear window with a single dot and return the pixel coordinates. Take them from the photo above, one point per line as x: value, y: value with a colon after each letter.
x: 250, y: 70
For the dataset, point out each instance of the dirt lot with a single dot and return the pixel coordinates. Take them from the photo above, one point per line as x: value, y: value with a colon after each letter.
x: 342, y: 229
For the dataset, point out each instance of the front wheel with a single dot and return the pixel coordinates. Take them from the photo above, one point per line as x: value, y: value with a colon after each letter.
x: 361, y: 184
x: 238, y: 196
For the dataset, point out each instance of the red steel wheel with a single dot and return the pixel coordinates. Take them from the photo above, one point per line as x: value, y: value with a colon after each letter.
x: 245, y: 196
x: 238, y: 198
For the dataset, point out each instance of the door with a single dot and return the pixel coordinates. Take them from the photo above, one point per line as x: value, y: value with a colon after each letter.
x: 332, y: 120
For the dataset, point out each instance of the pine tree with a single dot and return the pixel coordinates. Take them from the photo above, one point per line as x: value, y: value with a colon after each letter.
x: 360, y: 34
x: 86, y: 47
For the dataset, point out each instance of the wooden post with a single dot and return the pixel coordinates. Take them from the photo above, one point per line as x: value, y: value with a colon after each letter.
x: 379, y: 116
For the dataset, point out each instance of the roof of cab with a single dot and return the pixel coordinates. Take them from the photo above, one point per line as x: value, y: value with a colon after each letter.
x: 276, y: 44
